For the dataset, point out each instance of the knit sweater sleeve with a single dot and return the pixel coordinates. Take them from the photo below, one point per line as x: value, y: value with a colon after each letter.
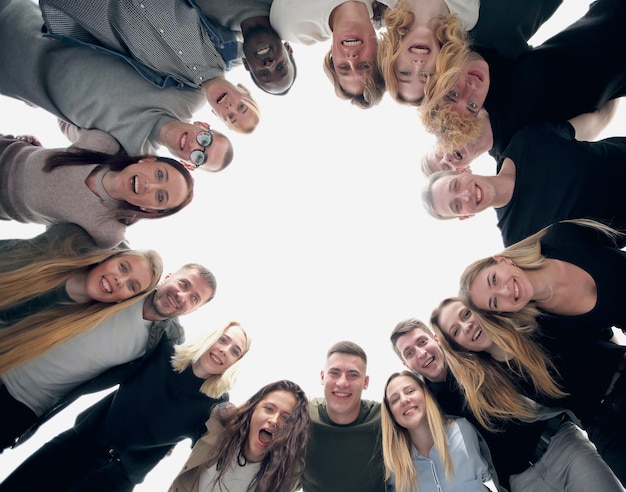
x: 89, y: 139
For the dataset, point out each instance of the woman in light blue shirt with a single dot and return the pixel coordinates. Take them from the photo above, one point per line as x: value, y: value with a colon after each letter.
x: 424, y: 450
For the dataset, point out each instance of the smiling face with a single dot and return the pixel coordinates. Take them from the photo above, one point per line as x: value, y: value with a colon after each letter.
x: 422, y: 354
x: 151, y: 185
x: 182, y: 140
x: 501, y: 287
x: 119, y: 278
x: 267, y: 59
x: 344, y: 380
x: 468, y: 95
x: 457, y: 321
x: 415, y: 62
x: 353, y: 53
x: 228, y: 102
x: 462, y: 195
x: 228, y: 349
x: 181, y: 293
x: 406, y: 402
x: 270, y: 414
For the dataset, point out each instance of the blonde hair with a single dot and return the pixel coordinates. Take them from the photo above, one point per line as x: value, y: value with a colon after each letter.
x: 427, y: 194
x: 525, y: 254
x: 37, y: 333
x: 374, y: 84
x: 449, y: 33
x: 189, y: 352
x: 526, y: 359
x: 452, y: 130
x: 397, y: 443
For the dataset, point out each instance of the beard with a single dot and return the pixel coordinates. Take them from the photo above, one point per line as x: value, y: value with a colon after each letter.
x: 155, y: 307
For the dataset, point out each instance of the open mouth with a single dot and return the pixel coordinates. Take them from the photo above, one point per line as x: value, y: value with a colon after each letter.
x: 265, y: 436
x: 515, y: 290
x: 419, y: 50
x: 221, y: 98
x: 183, y: 141
x: 476, y: 75
x: 409, y: 411
x: 478, y: 333
x: 479, y: 195
x: 263, y: 51
x: 341, y: 395
x: 134, y: 183
x: 215, y: 359
x: 428, y: 362
x: 351, y: 42
x: 172, y: 300
x: 106, y: 285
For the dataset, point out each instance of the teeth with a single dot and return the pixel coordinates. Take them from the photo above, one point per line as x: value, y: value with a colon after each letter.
x: 479, y: 195
x: 172, y: 300
x: 135, y: 184
x: 430, y: 361
x: 263, y: 51
x: 216, y: 360
x: 351, y: 42
x: 106, y: 285
x: 476, y: 335
x: 183, y: 141
x: 342, y: 394
x: 419, y: 50
x: 221, y: 98
x: 516, y: 290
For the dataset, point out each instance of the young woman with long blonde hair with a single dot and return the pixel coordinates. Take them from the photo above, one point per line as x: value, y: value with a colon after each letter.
x: 59, y: 284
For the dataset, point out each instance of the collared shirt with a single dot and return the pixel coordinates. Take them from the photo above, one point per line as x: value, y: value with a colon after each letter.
x: 169, y: 37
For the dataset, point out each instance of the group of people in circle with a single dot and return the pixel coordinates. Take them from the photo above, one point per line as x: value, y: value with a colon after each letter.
x: 499, y: 387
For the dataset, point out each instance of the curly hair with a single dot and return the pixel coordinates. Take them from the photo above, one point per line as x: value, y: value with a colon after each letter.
x: 283, y: 462
x: 452, y: 130
x: 449, y: 33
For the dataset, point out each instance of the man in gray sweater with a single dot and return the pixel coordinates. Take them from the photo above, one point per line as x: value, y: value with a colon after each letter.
x: 93, y: 90
x: 102, y: 357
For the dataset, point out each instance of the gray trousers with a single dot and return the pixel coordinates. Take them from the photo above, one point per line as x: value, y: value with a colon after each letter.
x: 571, y: 463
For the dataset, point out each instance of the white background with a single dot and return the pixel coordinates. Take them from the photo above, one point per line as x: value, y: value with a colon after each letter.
x: 316, y: 233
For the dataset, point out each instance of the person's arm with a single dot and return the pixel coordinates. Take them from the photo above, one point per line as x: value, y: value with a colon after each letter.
x: 588, y: 126
x: 89, y: 139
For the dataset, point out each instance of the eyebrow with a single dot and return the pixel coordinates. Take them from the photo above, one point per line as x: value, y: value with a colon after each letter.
x: 489, y: 285
x: 451, y: 203
x: 230, y: 339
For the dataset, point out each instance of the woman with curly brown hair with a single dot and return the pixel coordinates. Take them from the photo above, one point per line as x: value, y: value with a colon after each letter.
x: 259, y: 446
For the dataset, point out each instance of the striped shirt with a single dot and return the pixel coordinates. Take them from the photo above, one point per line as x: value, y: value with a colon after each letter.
x: 171, y: 37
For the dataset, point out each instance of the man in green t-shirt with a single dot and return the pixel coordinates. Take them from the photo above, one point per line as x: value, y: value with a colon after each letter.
x: 344, y: 453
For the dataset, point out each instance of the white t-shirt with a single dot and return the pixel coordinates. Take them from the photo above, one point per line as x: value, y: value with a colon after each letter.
x: 236, y: 478
x: 466, y: 11
x: 43, y: 381
x: 306, y: 22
